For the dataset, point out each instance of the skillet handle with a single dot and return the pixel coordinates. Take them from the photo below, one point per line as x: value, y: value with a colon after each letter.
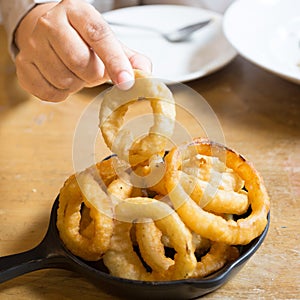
x: 45, y: 255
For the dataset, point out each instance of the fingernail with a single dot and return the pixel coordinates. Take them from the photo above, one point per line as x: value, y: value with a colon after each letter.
x: 125, y: 80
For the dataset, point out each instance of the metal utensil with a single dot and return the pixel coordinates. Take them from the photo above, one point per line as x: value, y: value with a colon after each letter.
x: 178, y: 35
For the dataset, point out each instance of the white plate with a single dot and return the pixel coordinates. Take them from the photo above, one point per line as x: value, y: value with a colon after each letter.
x: 207, y: 51
x: 267, y: 32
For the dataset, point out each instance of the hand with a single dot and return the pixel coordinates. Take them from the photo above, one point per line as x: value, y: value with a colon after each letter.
x: 67, y: 46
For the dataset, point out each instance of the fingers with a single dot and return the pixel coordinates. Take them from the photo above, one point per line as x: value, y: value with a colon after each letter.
x: 37, y: 84
x: 74, y: 53
x: 98, y: 35
x: 55, y: 72
x: 138, y: 61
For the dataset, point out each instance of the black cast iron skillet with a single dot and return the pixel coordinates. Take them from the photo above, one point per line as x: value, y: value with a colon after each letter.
x: 51, y: 253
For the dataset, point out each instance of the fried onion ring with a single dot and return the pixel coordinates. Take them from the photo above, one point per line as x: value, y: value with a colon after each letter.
x: 152, y: 249
x: 114, y: 107
x: 218, y: 255
x: 118, y: 190
x: 77, y: 190
x: 169, y: 223
x: 109, y: 169
x: 212, y: 170
x: 121, y: 259
x: 208, y: 224
x: 216, y: 200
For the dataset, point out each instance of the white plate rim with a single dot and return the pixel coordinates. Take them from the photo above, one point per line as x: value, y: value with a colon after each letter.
x: 230, y: 14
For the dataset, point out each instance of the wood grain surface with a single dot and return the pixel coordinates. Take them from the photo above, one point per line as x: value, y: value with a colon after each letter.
x: 258, y: 115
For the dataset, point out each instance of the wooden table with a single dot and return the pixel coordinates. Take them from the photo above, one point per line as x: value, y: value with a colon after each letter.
x: 259, y: 115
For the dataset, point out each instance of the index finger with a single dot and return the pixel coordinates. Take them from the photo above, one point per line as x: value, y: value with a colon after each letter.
x: 88, y: 22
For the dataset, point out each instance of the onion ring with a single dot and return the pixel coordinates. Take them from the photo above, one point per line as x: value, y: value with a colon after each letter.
x: 114, y: 107
x: 121, y: 259
x: 208, y: 224
x: 110, y: 168
x: 86, y: 223
x: 79, y: 189
x: 214, y: 171
x: 218, y: 255
x: 148, y: 237
x: 216, y: 200
x: 151, y: 176
x: 118, y: 190
x: 169, y: 223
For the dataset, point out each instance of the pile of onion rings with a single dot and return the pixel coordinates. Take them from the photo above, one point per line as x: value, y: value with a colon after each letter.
x: 153, y: 216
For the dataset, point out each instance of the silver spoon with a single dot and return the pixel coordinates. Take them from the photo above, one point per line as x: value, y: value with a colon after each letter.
x: 175, y: 36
